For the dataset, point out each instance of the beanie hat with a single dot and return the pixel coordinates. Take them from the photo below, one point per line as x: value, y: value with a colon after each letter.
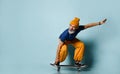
x: 75, y: 22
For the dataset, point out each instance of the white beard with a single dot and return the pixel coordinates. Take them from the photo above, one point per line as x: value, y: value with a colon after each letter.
x: 71, y: 32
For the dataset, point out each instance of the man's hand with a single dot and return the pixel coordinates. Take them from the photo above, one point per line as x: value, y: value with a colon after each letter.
x: 103, y: 21
x: 95, y: 23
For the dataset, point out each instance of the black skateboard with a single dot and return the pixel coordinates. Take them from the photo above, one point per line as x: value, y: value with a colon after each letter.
x: 68, y: 66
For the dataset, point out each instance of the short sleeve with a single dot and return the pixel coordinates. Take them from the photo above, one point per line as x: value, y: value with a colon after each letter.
x: 82, y: 27
x: 64, y: 35
x: 62, y: 38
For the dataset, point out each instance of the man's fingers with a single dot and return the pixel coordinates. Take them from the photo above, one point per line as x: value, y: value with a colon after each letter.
x: 104, y: 20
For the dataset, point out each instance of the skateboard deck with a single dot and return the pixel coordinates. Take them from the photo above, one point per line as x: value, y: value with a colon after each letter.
x: 68, y: 66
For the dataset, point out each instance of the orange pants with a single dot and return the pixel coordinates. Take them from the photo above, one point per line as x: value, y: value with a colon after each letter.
x: 79, y: 50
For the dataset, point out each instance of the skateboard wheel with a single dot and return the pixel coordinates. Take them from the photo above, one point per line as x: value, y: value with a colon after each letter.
x: 58, y: 68
x: 79, y: 69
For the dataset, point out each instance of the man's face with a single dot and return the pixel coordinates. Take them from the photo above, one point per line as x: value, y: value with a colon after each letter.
x: 72, y: 29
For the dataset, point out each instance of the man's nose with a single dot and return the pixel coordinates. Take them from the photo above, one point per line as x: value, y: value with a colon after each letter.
x: 72, y: 28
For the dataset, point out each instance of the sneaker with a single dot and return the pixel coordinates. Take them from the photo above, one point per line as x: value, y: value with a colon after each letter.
x: 57, y: 64
x: 79, y: 64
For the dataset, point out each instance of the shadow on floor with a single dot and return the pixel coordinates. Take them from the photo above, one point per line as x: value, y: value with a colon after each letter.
x: 89, y: 55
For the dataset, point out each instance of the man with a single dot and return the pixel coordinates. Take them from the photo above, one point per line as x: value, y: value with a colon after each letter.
x: 69, y: 37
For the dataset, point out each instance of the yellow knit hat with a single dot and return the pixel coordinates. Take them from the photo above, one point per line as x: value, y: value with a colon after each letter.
x: 75, y: 22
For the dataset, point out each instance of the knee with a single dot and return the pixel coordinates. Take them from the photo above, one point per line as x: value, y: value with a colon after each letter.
x: 64, y: 47
x: 82, y: 44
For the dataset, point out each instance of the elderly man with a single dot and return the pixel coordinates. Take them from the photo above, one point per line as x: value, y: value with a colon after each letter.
x: 69, y: 37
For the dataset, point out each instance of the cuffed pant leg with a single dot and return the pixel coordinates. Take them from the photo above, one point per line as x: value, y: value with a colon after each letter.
x: 63, y: 53
x: 79, y: 50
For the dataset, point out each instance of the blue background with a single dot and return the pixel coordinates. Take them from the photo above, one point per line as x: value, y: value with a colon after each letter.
x: 29, y: 31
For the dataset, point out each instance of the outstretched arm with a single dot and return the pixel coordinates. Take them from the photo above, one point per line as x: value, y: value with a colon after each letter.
x: 95, y: 23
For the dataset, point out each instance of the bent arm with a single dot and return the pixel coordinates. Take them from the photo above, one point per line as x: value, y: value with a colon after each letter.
x: 60, y: 44
x: 95, y: 24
